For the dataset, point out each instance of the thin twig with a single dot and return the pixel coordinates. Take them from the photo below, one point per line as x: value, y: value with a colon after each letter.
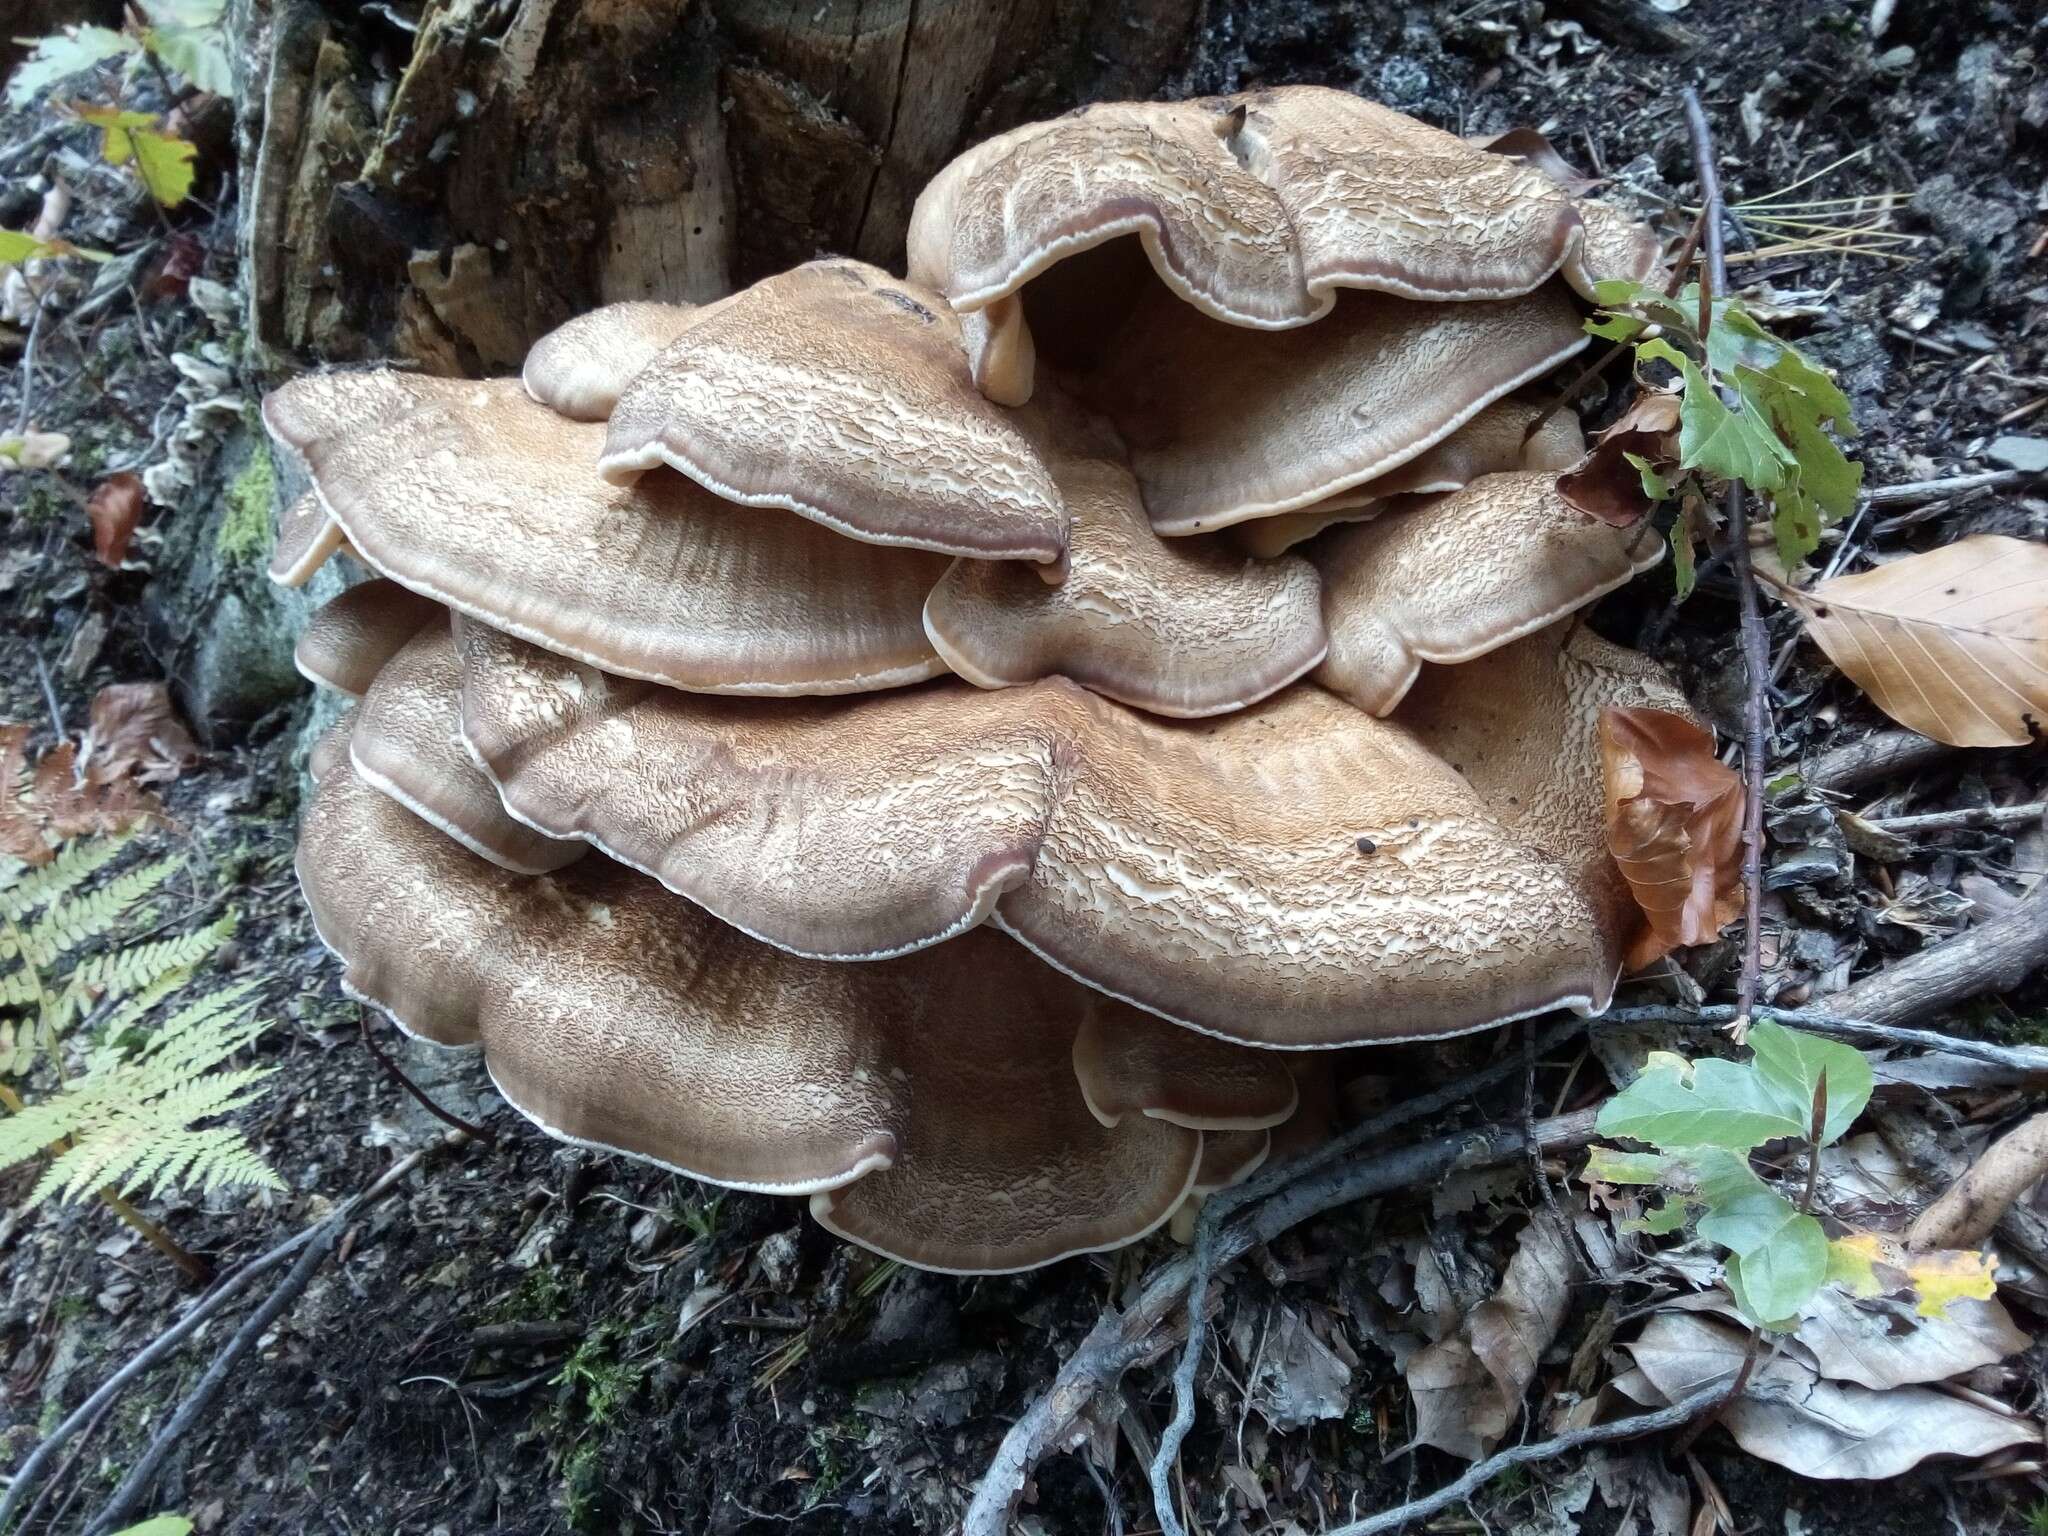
x: 203, y: 1309
x: 488, y: 1137
x: 2027, y: 1060
x: 1120, y: 1340
x: 1755, y: 645
x: 1990, y: 818
x: 1479, y: 1474
x: 1914, y: 492
x: 1225, y: 1203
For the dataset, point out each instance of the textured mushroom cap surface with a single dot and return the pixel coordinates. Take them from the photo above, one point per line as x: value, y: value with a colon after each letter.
x: 306, y: 537
x: 1493, y: 441
x: 1461, y: 575
x: 1522, y: 724
x: 1298, y: 416
x: 840, y: 394
x: 477, y: 496
x: 616, y: 1016
x: 1130, y: 1064
x: 824, y: 829
x: 1230, y: 1157
x: 581, y: 367
x: 1184, y: 628
x: 1253, y: 208
x: 407, y: 742
x: 349, y: 638
x: 1205, y: 871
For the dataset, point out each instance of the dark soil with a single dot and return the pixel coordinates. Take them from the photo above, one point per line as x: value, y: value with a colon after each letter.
x: 537, y: 1340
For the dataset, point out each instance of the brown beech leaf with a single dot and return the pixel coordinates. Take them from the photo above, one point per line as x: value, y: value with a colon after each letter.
x: 1604, y: 484
x: 136, y: 733
x: 113, y: 509
x: 1468, y: 1386
x: 1674, y: 826
x: 1952, y: 643
x: 57, y: 802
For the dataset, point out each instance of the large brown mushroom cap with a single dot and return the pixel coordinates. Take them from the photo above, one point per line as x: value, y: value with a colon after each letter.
x: 1208, y: 872
x: 349, y: 638
x: 480, y: 498
x: 1497, y: 439
x: 1131, y: 1064
x: 618, y: 1017
x: 1256, y: 210
x: 582, y: 366
x: 1186, y: 628
x: 1456, y: 577
x: 1310, y: 413
x: 407, y: 742
x: 836, y: 392
x: 1522, y: 724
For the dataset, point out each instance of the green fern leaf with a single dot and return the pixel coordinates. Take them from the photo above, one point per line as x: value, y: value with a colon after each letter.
x: 29, y: 889
x: 134, y: 1121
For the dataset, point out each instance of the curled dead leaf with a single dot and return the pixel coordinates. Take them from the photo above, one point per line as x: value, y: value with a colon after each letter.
x: 1953, y: 643
x: 136, y: 733
x: 1674, y: 827
x: 1606, y: 483
x: 42, y: 808
x: 113, y: 509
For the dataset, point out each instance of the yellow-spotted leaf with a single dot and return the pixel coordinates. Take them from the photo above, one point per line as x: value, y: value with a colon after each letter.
x: 1876, y: 1264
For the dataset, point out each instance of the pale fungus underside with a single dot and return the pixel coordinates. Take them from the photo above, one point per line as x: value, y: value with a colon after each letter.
x: 823, y: 742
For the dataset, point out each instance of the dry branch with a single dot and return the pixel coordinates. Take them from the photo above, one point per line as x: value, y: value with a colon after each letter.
x: 1969, y: 1208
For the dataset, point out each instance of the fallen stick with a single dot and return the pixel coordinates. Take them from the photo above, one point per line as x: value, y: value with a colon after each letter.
x: 224, y: 1291
x: 1879, y: 755
x: 1120, y: 1340
x: 1994, y: 956
x: 1970, y: 1208
x: 1914, y: 492
x: 1480, y: 1473
x: 1993, y: 818
x: 2021, y: 1233
x: 2024, y: 1060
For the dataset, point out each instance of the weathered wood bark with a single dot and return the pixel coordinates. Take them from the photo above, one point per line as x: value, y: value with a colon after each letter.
x: 447, y: 196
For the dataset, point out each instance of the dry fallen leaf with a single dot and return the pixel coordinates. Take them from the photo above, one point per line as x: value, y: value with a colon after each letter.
x: 1953, y: 643
x: 1674, y: 826
x: 1468, y: 1387
x: 58, y: 802
x: 113, y: 509
x: 136, y: 733
x: 1790, y: 1415
x: 1604, y: 484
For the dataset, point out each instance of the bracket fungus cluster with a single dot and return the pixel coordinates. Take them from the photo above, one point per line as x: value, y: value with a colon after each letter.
x: 952, y: 746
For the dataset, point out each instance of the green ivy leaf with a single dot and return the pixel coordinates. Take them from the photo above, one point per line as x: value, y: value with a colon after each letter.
x: 1615, y: 327
x: 1615, y: 292
x: 1735, y: 444
x: 1798, y: 373
x: 1660, y: 1220
x: 1725, y: 1105
x: 1791, y: 1063
x: 62, y: 55
x: 197, y: 53
x: 1610, y: 1165
x: 1780, y: 1255
x: 1796, y: 524
x: 161, y: 1525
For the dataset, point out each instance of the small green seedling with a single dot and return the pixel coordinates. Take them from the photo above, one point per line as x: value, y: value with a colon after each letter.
x: 1705, y: 1118
x: 1750, y: 408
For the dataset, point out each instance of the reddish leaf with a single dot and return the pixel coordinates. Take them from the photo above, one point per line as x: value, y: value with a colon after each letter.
x: 1604, y: 484
x: 181, y: 263
x: 136, y: 733
x: 1674, y: 826
x: 113, y: 509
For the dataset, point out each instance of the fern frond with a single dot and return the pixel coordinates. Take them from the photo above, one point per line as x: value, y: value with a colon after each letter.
x: 131, y: 970
x: 67, y: 926
x: 28, y: 889
x: 133, y: 1120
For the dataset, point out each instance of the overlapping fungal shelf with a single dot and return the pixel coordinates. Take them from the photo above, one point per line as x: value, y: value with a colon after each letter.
x: 958, y: 748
